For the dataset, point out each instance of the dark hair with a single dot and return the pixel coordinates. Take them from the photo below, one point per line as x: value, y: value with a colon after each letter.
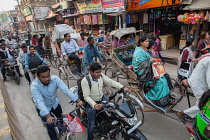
x: 42, y: 69
x: 95, y: 66
x: 102, y: 32
x: 204, y: 98
x: 151, y: 43
x: 153, y: 38
x: 107, y: 31
x: 203, y: 35
x: 2, y: 40
x: 89, y: 39
x: 32, y: 47
x: 82, y: 33
x: 23, y: 46
x: 158, y: 37
x: 189, y: 42
x: 35, y: 36
x: 142, y: 39
x: 65, y: 35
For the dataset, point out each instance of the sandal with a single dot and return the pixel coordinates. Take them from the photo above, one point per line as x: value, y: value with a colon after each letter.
x: 182, y: 118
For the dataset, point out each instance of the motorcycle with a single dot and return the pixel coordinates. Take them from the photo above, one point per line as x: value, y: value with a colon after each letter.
x: 11, y: 70
x: 118, y: 118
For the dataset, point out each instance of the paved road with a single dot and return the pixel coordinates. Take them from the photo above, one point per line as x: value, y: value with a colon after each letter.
x: 156, y: 125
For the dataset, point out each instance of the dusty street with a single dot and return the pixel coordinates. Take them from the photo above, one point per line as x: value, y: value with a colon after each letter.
x: 156, y: 125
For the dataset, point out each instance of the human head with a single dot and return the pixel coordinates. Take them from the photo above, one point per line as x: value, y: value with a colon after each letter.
x: 153, y: 38
x: 151, y: 44
x: 189, y: 42
x: 143, y: 41
x: 204, y: 35
x: 82, y: 35
x: 90, y: 40
x: 2, y: 41
x: 102, y: 32
x: 95, y: 70
x: 108, y: 32
x: 67, y: 37
x: 204, y: 99
x: 43, y: 74
x: 157, y: 37
x: 3, y: 46
x: 32, y: 49
x: 24, y: 48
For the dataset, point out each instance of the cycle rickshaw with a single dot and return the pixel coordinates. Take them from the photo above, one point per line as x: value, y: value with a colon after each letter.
x: 118, y: 70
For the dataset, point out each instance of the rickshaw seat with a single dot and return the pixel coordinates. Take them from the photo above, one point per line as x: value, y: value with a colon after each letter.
x: 126, y: 63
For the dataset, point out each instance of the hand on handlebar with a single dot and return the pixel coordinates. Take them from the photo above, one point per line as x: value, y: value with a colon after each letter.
x: 79, y: 103
x: 127, y: 89
x: 28, y: 70
x: 185, y: 83
x: 50, y: 119
x: 98, y: 106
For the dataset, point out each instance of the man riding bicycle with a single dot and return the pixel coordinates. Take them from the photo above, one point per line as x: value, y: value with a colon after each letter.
x: 44, y: 93
x: 22, y: 55
x: 95, y: 95
x: 32, y: 61
x: 6, y: 54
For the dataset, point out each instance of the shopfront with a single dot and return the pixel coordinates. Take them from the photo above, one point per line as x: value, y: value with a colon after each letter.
x: 156, y: 17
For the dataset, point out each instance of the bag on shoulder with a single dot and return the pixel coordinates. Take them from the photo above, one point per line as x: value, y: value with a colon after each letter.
x: 34, y: 61
x: 127, y: 55
x: 80, y: 92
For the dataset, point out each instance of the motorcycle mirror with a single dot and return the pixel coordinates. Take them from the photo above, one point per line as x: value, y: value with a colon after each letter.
x: 112, y: 96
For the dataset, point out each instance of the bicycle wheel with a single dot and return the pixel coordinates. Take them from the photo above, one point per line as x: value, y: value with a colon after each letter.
x: 70, y: 136
x: 63, y: 76
x: 17, y: 78
x: 53, y: 62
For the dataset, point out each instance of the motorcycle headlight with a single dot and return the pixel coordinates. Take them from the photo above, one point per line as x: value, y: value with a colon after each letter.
x: 131, y: 121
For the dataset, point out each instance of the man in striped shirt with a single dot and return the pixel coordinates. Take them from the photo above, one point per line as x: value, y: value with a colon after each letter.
x: 70, y: 50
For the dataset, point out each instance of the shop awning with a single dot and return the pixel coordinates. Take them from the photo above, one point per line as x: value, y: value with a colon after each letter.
x: 198, y: 5
x: 187, y: 1
x: 115, y: 14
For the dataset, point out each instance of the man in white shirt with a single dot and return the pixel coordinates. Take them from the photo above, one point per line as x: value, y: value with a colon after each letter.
x: 70, y: 50
x: 199, y: 82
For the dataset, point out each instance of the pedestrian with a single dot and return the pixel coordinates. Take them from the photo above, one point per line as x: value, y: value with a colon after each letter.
x: 186, y: 59
x: 44, y: 93
x: 158, y: 48
x: 203, y: 44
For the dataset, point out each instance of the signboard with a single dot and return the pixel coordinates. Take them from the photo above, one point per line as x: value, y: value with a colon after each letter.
x: 89, y: 6
x: 21, y: 17
x: 113, y: 6
x: 145, y: 4
x: 27, y: 11
x: 41, y: 12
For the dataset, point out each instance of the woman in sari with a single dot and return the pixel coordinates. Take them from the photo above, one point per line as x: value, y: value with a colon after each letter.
x: 157, y: 89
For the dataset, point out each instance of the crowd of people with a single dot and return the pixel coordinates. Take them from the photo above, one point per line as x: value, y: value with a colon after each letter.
x: 147, y: 51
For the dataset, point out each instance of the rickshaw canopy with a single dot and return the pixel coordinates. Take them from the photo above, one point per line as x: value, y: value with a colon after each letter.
x: 124, y: 31
x: 61, y: 29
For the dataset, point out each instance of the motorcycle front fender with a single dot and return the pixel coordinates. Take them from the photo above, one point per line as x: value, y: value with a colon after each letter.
x: 136, y: 135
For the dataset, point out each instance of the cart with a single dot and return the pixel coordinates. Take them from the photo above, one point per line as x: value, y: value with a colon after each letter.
x: 118, y: 70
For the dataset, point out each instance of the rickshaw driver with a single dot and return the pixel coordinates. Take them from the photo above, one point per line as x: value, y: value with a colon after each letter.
x: 200, y: 76
x: 70, y: 50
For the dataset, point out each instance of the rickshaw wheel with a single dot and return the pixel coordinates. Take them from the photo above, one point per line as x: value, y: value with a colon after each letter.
x: 63, y: 76
x: 111, y: 73
x: 53, y: 62
x: 177, y: 88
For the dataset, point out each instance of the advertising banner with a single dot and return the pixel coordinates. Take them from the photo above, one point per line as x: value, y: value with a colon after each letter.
x: 89, y: 6
x: 146, y: 4
x: 41, y: 12
x: 27, y: 11
x: 113, y: 6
